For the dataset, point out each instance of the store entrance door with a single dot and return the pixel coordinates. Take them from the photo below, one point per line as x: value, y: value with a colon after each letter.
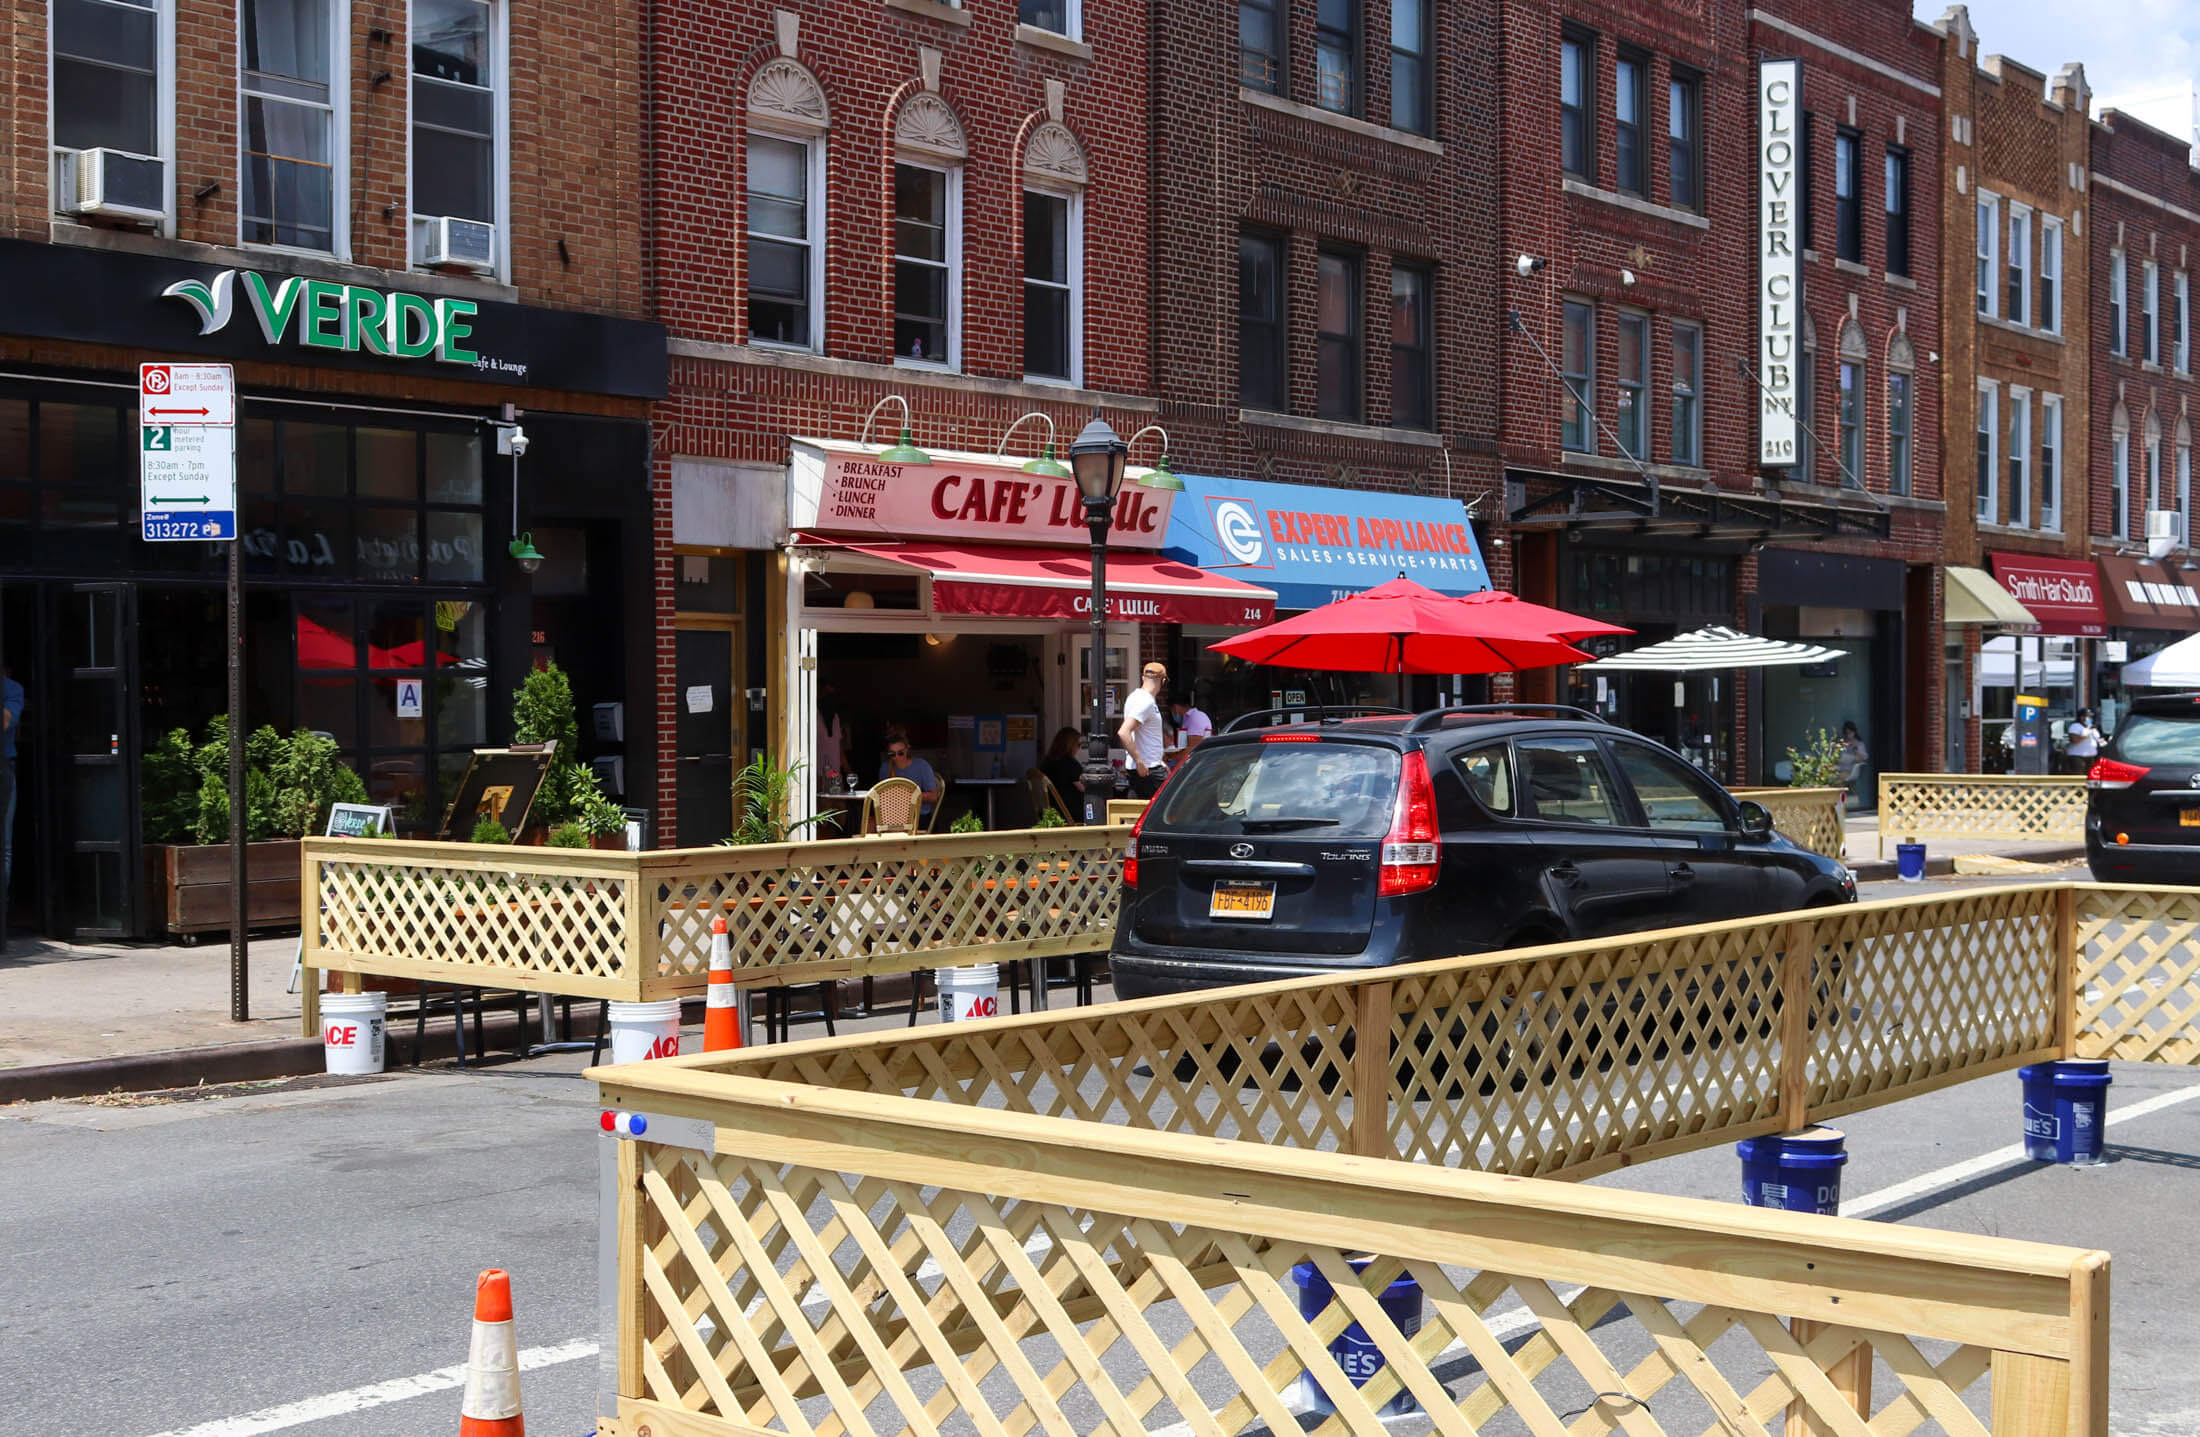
x: 708, y: 733
x: 95, y: 740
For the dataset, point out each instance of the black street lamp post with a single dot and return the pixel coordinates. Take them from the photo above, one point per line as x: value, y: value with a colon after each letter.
x: 1097, y: 458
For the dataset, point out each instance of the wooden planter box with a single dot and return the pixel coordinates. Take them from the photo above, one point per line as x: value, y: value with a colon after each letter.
x: 190, y: 886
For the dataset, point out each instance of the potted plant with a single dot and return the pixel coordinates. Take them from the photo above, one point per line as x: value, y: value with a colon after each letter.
x: 290, y: 782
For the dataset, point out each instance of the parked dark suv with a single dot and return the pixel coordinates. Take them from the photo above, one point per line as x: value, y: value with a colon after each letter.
x: 2142, y: 804
x: 1384, y: 837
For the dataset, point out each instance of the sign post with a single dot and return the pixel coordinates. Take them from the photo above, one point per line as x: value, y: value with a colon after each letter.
x: 187, y: 475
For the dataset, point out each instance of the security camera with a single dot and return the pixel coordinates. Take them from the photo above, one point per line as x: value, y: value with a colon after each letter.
x: 1526, y: 265
x: 512, y: 441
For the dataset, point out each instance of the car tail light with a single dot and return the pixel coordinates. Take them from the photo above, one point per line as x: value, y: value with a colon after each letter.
x: 1130, y: 848
x: 1412, y: 849
x: 2110, y: 773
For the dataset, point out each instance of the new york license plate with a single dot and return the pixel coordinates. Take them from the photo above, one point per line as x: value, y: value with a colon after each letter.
x: 1243, y: 900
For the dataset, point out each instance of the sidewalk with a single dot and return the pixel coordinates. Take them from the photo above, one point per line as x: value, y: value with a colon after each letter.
x: 69, y: 1003
x: 1862, y: 844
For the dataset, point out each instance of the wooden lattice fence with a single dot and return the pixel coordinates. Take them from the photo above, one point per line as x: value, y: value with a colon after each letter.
x: 1812, y: 817
x: 2049, y: 808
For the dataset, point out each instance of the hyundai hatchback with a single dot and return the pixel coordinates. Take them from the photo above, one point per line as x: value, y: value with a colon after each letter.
x: 2142, y: 805
x: 1277, y: 852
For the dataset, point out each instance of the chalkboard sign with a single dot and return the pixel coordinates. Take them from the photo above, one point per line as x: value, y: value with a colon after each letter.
x: 357, y: 820
x: 499, y: 783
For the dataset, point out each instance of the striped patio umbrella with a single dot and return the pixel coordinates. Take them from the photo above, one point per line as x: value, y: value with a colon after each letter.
x: 1714, y: 647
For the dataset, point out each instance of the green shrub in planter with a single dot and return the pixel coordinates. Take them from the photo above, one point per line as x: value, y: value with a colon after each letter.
x: 968, y: 823
x: 1052, y: 818
x: 571, y: 835
x: 488, y: 830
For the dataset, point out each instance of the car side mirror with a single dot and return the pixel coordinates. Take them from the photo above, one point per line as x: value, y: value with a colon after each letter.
x: 1756, y: 821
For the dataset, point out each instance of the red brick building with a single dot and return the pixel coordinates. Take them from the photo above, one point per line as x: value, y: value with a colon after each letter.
x: 2143, y: 239
x: 1632, y: 374
x: 903, y: 202
x: 409, y: 228
x: 2019, y: 312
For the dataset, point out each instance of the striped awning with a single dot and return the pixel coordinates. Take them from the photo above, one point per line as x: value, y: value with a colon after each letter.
x: 1713, y: 648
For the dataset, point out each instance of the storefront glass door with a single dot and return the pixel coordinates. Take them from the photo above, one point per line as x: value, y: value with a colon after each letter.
x: 96, y: 798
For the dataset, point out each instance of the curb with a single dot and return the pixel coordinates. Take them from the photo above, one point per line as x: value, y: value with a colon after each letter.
x: 250, y: 1062
x: 1880, y: 869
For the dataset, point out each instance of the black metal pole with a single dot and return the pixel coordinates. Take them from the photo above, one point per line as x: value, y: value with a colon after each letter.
x: 240, y: 998
x: 1097, y: 518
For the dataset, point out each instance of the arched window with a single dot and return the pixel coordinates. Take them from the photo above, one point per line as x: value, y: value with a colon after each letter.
x: 1054, y: 255
x: 1806, y: 406
x: 2154, y: 462
x: 2184, y: 484
x: 929, y: 151
x: 785, y: 201
x: 1850, y: 415
x: 1901, y: 412
x: 2119, y: 475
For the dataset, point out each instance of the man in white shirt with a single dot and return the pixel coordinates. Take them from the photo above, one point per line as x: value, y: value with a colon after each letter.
x: 1141, y: 733
x: 1193, y: 728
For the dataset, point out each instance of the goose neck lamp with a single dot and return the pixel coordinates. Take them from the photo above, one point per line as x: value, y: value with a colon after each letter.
x: 1096, y: 458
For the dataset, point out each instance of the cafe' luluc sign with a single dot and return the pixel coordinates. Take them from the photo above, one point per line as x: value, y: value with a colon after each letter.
x: 321, y: 314
x: 1779, y: 258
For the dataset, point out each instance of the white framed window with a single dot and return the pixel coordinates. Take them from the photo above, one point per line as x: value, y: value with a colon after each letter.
x: 2184, y: 484
x: 2116, y: 298
x: 2051, y: 250
x: 1989, y: 454
x: 1577, y: 366
x: 2019, y: 265
x: 2119, y: 479
x: 2051, y: 462
x: 291, y: 157
x: 1063, y: 17
x: 2150, y: 312
x: 2020, y: 456
x: 112, y: 83
x: 786, y: 240
x: 1989, y: 235
x: 1054, y: 286
x: 2154, y: 464
x: 460, y: 160
x: 2180, y: 324
x: 927, y: 265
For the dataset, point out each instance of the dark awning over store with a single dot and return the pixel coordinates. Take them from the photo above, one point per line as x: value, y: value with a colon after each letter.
x: 2144, y: 594
x: 1541, y: 499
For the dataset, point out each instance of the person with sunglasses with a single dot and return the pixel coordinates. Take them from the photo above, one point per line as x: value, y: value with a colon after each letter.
x: 902, y: 762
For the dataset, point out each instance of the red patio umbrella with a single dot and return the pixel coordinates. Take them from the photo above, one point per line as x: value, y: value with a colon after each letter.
x: 1402, y: 628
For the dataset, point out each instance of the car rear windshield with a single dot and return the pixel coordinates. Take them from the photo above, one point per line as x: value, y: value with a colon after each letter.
x: 1333, y: 790
x: 2146, y: 739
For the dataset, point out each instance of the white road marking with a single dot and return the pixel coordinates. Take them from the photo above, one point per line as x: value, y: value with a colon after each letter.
x: 374, y: 1394
x: 445, y: 1379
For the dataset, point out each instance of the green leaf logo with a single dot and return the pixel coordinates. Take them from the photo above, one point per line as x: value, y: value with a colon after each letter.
x: 212, y: 301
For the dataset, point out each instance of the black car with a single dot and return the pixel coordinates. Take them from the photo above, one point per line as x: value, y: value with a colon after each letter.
x: 2142, y: 803
x: 1385, y: 837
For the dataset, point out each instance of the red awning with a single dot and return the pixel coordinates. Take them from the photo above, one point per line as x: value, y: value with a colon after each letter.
x: 2064, y: 594
x: 1013, y: 581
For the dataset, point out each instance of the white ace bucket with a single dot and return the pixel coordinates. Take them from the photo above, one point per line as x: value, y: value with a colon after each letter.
x: 640, y: 1031
x: 351, y: 1031
x: 972, y: 992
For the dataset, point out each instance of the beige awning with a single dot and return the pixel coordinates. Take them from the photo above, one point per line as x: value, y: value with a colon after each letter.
x: 1973, y: 597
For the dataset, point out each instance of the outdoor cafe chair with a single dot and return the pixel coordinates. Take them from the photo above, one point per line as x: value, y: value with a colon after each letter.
x: 932, y: 824
x: 893, y: 806
x: 1044, y: 795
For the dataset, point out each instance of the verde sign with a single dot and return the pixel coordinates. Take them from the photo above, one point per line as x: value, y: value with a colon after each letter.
x: 346, y: 318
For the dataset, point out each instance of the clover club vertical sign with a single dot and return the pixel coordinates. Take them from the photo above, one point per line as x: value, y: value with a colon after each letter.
x: 187, y: 451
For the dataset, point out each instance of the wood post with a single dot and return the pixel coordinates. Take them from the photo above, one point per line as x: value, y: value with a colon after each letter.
x: 2089, y: 1346
x: 2032, y: 1397
x: 632, y: 1298
x: 2066, y: 971
x: 1851, y: 1377
x: 1798, y: 958
x: 1371, y: 1071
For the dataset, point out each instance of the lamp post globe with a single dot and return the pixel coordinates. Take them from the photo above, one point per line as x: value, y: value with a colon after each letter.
x: 1097, y: 457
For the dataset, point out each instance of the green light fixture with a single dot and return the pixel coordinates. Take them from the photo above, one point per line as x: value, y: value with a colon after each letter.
x: 904, y: 452
x: 524, y: 551
x: 1161, y: 476
x: 1047, y: 466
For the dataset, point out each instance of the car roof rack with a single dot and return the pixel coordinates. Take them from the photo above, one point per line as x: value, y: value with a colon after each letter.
x: 1323, y: 714
x: 1434, y: 718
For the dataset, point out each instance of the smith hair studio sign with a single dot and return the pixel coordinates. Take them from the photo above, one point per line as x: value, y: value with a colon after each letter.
x: 156, y: 306
x: 844, y: 490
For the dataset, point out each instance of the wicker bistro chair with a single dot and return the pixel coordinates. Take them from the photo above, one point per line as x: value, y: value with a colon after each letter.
x: 932, y: 824
x: 1044, y: 795
x: 893, y: 806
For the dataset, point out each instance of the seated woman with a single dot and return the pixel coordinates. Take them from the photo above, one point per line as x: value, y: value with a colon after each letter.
x: 902, y: 762
x: 1066, y: 771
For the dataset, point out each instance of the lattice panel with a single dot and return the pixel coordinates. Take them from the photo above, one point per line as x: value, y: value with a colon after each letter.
x: 819, y: 1303
x: 888, y: 905
x: 2045, y: 807
x: 2138, y: 980
x: 554, y: 928
x: 1811, y: 817
x: 1266, y: 1065
x: 1911, y: 994
x: 1549, y: 1063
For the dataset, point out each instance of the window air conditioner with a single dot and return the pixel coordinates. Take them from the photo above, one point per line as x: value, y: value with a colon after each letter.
x: 2164, y: 532
x: 111, y: 184
x: 447, y: 240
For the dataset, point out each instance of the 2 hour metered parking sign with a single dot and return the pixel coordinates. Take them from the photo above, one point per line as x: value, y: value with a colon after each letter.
x: 187, y: 451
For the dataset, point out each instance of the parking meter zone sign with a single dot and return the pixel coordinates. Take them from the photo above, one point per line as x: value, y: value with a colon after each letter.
x: 187, y: 452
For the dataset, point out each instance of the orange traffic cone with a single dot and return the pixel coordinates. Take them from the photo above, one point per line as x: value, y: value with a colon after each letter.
x: 491, y: 1408
x: 722, y: 1014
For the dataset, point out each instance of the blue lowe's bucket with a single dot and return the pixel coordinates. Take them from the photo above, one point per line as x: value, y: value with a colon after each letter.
x: 2065, y: 1105
x: 1909, y: 862
x: 1360, y: 1358
x: 1798, y: 1171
